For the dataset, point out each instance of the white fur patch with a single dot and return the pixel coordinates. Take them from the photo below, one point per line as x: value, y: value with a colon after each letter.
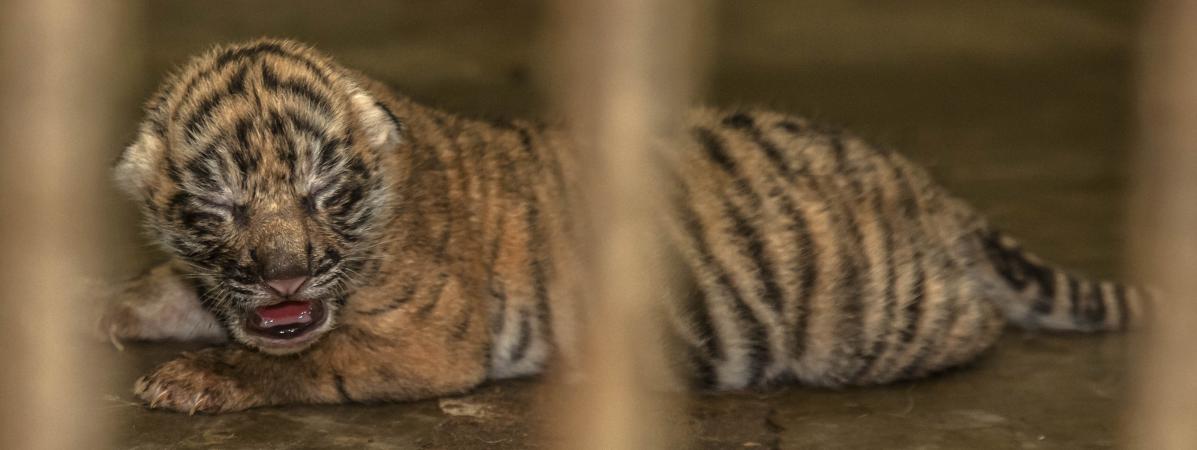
x: 133, y: 171
x: 380, y: 130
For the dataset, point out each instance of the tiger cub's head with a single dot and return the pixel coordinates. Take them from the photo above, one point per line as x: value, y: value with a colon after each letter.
x: 261, y: 166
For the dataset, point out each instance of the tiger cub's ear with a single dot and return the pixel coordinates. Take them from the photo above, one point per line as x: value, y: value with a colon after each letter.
x: 382, y: 129
x: 136, y: 165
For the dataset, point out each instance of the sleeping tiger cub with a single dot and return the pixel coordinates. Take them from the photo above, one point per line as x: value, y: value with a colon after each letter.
x: 356, y: 246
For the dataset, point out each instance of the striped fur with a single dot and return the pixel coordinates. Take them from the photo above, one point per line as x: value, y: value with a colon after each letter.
x: 819, y: 258
x: 444, y: 250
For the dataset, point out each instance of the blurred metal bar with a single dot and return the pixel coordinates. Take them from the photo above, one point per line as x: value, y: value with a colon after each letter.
x: 1164, y: 415
x: 57, y: 83
x: 624, y: 71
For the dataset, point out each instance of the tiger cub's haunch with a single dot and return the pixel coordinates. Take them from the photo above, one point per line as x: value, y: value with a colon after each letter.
x: 358, y: 246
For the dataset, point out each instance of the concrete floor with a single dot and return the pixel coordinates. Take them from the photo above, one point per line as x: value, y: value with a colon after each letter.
x: 1024, y: 108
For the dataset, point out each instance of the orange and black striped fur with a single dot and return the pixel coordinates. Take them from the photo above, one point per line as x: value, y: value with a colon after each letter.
x: 432, y: 251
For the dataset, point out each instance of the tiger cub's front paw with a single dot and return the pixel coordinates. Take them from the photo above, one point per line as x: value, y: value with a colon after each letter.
x: 196, y: 382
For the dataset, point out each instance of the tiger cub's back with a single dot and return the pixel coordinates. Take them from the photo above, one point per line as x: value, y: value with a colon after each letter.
x: 813, y: 255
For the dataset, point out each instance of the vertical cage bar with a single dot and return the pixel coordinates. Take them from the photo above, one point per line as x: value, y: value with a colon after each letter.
x: 57, y: 85
x: 623, y: 72
x: 1164, y: 215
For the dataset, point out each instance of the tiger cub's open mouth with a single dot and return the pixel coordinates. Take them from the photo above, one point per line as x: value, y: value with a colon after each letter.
x: 286, y: 321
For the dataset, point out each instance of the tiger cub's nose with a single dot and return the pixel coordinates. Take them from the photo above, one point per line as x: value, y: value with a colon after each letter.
x: 283, y: 273
x: 286, y: 286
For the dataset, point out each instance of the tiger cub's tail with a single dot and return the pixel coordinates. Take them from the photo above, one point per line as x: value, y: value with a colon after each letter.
x: 1050, y: 298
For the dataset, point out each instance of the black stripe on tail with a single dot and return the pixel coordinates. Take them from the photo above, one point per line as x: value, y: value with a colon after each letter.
x: 1053, y: 299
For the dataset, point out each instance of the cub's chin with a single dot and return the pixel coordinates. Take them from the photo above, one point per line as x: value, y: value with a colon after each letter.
x: 284, y: 327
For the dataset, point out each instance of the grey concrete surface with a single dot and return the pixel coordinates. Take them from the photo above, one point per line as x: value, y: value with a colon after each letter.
x: 1024, y: 108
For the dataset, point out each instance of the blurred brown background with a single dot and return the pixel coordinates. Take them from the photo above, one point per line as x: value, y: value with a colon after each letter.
x: 1024, y: 108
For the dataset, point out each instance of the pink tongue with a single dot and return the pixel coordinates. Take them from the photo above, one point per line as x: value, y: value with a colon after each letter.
x: 285, y: 313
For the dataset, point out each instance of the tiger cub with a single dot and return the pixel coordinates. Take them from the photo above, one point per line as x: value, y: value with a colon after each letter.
x: 356, y: 246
